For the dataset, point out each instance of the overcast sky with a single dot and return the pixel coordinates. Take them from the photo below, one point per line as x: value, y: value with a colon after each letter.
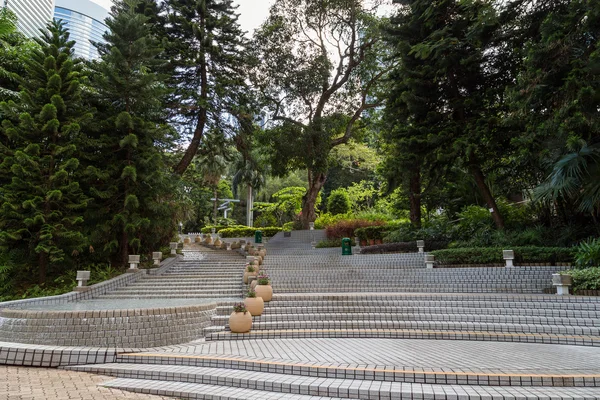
x: 252, y: 12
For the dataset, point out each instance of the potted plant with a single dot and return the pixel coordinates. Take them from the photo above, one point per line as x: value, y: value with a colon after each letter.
x: 251, y: 270
x: 264, y: 288
x: 255, y: 305
x: 240, y: 320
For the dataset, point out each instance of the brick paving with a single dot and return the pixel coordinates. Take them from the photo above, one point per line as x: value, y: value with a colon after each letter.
x: 21, y: 383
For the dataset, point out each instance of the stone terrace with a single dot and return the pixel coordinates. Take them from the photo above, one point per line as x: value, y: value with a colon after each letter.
x: 328, y: 333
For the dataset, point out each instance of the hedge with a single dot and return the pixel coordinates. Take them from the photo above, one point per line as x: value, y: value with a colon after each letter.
x: 247, y: 231
x: 585, y: 279
x: 493, y: 255
x: 374, y: 232
x: 402, y: 247
x: 219, y: 228
x: 347, y: 228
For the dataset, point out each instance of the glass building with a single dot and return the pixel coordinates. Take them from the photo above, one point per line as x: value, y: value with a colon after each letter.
x: 85, y: 21
x: 32, y: 15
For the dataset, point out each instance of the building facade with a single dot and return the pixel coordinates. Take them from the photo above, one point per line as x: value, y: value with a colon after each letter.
x: 32, y: 15
x: 85, y: 21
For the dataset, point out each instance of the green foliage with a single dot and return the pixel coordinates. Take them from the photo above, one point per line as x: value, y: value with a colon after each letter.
x: 347, y: 228
x: 240, y: 307
x: 329, y: 243
x: 338, y: 202
x: 134, y: 205
x: 585, y: 279
x: 588, y: 253
x: 493, y: 255
x: 43, y: 205
x: 251, y: 294
x: 246, y: 231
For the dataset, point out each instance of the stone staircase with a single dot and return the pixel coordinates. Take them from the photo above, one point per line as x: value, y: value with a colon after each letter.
x: 323, y: 297
x: 210, y: 274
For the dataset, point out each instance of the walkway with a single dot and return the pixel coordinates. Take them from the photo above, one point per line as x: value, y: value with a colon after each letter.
x: 20, y: 383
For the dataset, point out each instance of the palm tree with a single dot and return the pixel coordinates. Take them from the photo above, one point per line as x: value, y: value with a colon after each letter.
x: 252, y: 172
x: 575, y: 179
x: 212, y: 162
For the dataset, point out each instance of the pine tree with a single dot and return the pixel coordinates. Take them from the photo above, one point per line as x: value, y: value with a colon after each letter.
x: 206, y: 49
x: 43, y: 204
x: 125, y: 165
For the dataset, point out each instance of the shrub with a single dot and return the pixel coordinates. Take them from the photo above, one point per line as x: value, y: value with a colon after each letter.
x: 240, y: 307
x: 588, y: 253
x: 402, y: 247
x: 493, y: 255
x: 585, y: 279
x: 338, y: 202
x: 327, y: 219
x: 323, y: 244
x: 288, y: 226
x: 219, y: 228
x: 250, y: 268
x: 251, y: 294
x: 346, y: 228
x: 246, y: 231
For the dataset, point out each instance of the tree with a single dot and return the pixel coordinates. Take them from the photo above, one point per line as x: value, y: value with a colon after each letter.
x: 558, y: 97
x: 319, y: 68
x: 43, y: 203
x: 125, y: 166
x: 207, y: 63
x: 338, y: 202
x: 453, y: 92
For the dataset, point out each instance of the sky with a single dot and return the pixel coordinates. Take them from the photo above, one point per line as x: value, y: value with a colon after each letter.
x: 252, y: 12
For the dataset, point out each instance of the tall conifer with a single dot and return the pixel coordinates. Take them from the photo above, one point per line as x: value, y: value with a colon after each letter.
x: 126, y: 169
x: 43, y: 204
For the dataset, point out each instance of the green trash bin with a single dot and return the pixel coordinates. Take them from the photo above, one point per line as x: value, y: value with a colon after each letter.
x: 346, y: 247
x: 257, y: 236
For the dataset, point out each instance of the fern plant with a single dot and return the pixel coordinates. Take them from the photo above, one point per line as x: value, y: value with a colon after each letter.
x: 588, y: 253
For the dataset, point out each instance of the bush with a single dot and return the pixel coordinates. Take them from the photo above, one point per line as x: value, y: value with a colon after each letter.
x: 323, y: 244
x: 493, y: 255
x: 219, y: 228
x: 585, y: 279
x: 376, y: 232
x: 338, y: 202
x: 326, y: 219
x: 346, y: 228
x: 246, y: 231
x: 588, y: 253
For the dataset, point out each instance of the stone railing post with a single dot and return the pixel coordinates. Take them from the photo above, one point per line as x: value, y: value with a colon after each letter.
x: 429, y: 261
x: 173, y: 246
x: 509, y: 256
x: 157, y: 256
x: 134, y: 261
x: 357, y: 242
x: 562, y: 283
x: 82, y: 278
x: 421, y: 246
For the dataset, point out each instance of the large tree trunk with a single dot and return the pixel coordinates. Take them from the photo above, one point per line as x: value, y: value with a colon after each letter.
x: 316, y: 181
x: 414, y: 197
x: 487, y: 194
x: 194, y: 145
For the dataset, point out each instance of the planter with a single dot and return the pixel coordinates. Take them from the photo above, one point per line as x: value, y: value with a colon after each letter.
x: 371, y: 242
x: 287, y: 234
x: 255, y: 305
x: 253, y: 284
x: 240, y: 322
x: 363, y: 243
x: 262, y: 253
x: 378, y: 241
x: 248, y: 274
x: 264, y: 291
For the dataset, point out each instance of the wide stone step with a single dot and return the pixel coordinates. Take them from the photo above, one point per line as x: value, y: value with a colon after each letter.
x: 199, y: 391
x: 170, y: 296
x: 191, y: 285
x: 541, y: 312
x: 274, y: 380
x: 376, y: 317
x: 159, y: 291
x: 445, y: 325
x: 304, y: 333
x: 414, y: 289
